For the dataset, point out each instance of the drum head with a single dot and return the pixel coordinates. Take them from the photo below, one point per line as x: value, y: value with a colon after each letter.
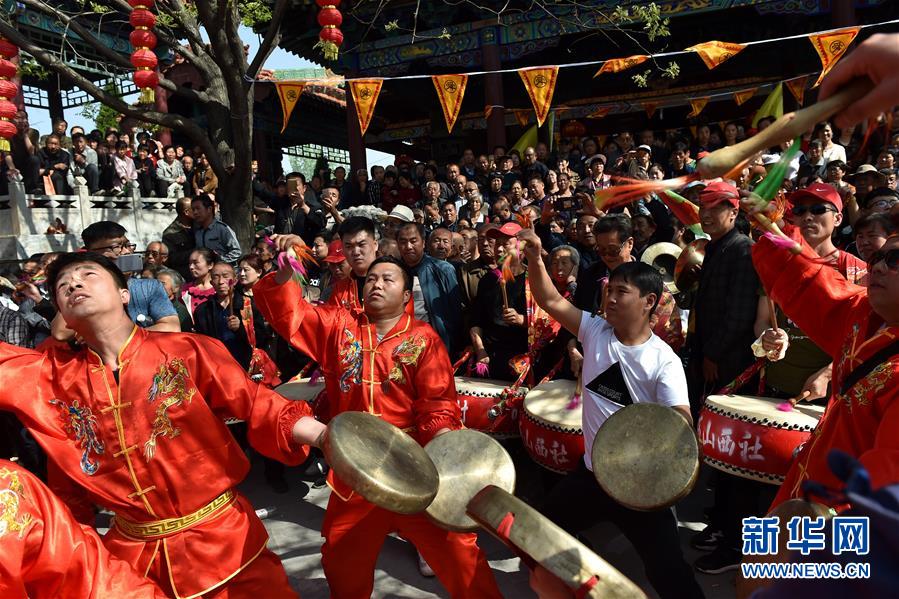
x: 538, y: 541
x: 646, y: 456
x: 467, y: 461
x: 300, y: 389
x: 380, y: 462
x: 549, y: 402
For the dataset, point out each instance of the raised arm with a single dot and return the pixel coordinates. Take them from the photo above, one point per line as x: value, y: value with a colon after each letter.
x: 542, y: 287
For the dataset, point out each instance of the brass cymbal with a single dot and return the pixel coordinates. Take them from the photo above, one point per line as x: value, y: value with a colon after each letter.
x: 467, y: 461
x: 538, y: 541
x: 691, y: 255
x: 380, y: 462
x: 646, y: 456
x: 785, y: 511
x: 663, y: 257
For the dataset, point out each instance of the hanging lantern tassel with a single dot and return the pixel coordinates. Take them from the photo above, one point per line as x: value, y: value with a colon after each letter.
x: 8, y: 92
x: 330, y: 37
x: 143, y: 40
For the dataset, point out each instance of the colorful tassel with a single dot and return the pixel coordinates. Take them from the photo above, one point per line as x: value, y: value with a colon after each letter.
x: 784, y: 406
x: 772, y: 182
x: 633, y: 189
x: 315, y: 377
x: 575, y: 402
x: 686, y: 211
x: 782, y: 241
x: 482, y: 370
x: 295, y: 258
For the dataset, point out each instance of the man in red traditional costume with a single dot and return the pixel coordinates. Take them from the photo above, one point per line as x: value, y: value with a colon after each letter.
x: 859, y: 328
x: 44, y: 552
x: 384, y: 362
x: 134, y: 419
x: 360, y: 248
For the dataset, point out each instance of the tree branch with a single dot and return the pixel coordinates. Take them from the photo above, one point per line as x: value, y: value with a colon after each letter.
x: 88, y: 37
x: 272, y: 38
x: 48, y: 60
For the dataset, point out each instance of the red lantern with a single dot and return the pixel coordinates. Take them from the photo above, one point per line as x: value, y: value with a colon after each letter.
x: 7, y: 129
x: 144, y: 59
x: 141, y: 3
x: 7, y: 109
x: 146, y: 79
x: 330, y: 37
x: 142, y: 38
x: 8, y: 49
x: 7, y: 69
x: 330, y: 17
x: 8, y: 89
x: 141, y: 17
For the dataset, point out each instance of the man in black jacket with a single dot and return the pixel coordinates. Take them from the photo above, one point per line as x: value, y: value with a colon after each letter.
x: 296, y: 213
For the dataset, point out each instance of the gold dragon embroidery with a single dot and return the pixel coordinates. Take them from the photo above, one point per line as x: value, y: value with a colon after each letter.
x: 170, y: 385
x: 9, y: 506
x: 406, y: 353
x: 876, y: 381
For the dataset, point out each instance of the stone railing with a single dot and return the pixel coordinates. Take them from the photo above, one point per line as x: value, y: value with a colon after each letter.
x: 25, y: 219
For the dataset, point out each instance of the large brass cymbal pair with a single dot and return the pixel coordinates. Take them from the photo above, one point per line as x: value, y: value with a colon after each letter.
x: 389, y: 469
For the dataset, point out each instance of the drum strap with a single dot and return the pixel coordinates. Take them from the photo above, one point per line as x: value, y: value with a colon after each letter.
x: 866, y: 367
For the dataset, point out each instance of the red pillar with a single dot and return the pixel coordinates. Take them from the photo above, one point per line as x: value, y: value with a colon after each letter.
x: 356, y: 144
x: 493, y: 92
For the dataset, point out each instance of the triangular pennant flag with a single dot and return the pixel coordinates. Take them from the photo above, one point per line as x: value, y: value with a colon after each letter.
x: 697, y: 104
x: 450, y: 91
x: 289, y: 93
x: 522, y: 116
x: 540, y: 84
x: 365, y: 96
x: 600, y: 112
x: 650, y: 108
x: 831, y: 47
x: 616, y: 65
x: 797, y: 88
x: 773, y: 105
x: 741, y: 96
x: 714, y: 53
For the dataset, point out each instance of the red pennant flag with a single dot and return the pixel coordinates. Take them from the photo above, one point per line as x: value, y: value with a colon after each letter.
x: 650, y: 108
x: 831, y: 47
x: 797, y: 88
x: 697, y: 104
x: 540, y: 84
x: 741, y: 97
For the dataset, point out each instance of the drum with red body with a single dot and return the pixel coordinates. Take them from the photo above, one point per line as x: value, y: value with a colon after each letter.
x: 749, y: 437
x: 489, y: 406
x: 315, y: 394
x: 551, y: 426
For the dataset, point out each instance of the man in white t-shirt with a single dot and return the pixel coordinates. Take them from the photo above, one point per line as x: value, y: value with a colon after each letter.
x: 624, y: 363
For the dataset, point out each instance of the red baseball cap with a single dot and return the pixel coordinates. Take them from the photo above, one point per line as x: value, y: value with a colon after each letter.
x: 507, y: 230
x: 335, y: 252
x: 718, y: 192
x: 818, y: 192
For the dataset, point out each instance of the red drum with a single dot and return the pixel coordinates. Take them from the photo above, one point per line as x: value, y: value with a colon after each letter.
x: 550, y: 431
x: 316, y: 395
x: 749, y: 437
x: 489, y: 406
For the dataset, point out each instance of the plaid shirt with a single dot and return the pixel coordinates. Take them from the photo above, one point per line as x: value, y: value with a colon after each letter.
x: 14, y: 328
x: 726, y: 305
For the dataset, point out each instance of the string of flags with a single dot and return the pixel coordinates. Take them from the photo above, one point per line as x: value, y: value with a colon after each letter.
x: 540, y: 82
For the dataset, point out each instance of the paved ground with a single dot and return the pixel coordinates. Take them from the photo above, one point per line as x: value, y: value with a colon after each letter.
x: 294, y: 528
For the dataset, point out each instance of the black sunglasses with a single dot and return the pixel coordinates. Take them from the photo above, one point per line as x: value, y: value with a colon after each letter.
x: 815, y: 209
x: 890, y: 258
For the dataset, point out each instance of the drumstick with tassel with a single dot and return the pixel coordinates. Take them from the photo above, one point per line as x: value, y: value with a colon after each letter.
x: 784, y: 406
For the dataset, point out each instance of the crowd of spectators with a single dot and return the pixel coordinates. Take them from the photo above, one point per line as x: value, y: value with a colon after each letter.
x: 450, y: 223
x: 108, y: 163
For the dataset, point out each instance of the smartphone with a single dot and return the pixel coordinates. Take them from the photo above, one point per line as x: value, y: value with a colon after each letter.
x: 130, y: 262
x: 293, y: 186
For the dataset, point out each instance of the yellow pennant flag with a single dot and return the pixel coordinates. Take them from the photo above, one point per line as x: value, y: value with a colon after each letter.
x: 540, y: 84
x: 522, y: 116
x: 650, y: 108
x: 697, y: 104
x: 365, y: 96
x: 289, y: 93
x: 773, y: 105
x: 450, y: 91
x: 600, y: 112
x: 616, y: 65
x: 740, y: 97
x: 797, y: 88
x: 831, y: 47
x: 714, y: 53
